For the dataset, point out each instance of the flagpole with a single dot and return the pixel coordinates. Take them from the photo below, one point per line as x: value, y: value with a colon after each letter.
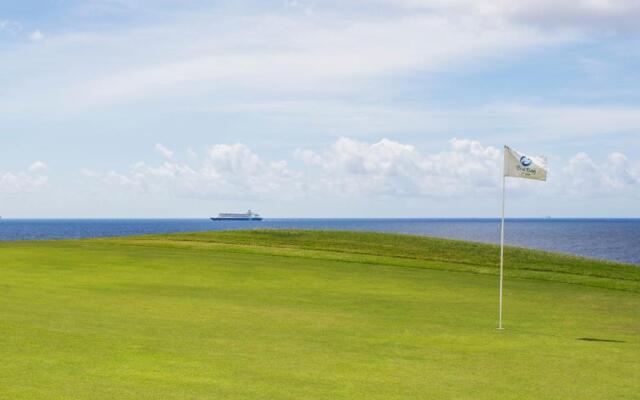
x: 504, y: 178
x: 516, y: 165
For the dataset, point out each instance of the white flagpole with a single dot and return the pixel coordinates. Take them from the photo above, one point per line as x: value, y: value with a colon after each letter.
x: 504, y: 178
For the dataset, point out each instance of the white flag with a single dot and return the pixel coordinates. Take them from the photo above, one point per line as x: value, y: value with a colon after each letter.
x: 519, y: 165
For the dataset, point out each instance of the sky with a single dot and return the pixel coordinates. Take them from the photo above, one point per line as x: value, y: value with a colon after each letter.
x: 296, y: 108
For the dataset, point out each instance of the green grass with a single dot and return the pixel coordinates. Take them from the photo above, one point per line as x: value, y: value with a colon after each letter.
x: 311, y: 315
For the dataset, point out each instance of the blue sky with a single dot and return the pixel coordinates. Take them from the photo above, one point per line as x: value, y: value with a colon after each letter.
x: 392, y: 108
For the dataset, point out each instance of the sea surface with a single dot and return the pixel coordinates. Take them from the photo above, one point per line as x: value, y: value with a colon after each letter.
x: 611, y: 239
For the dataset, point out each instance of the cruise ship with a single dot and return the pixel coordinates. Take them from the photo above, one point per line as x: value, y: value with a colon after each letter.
x: 248, y: 216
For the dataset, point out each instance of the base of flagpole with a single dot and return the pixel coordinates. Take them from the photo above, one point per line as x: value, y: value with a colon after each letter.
x: 500, y: 328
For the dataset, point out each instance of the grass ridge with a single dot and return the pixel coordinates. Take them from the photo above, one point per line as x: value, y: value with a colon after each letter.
x: 407, y: 250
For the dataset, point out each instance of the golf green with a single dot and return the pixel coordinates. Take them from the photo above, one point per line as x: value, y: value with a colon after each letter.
x: 311, y: 315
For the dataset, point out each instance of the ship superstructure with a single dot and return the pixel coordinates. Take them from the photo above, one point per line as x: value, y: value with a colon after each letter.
x: 248, y: 216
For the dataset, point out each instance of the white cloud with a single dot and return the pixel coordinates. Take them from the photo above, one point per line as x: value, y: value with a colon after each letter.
x: 89, y: 173
x: 394, y: 169
x: 264, y: 53
x: 611, y: 15
x: 164, y: 152
x: 192, y: 154
x: 27, y: 181
x: 615, y: 176
x: 340, y: 55
x: 36, y: 36
x: 225, y: 172
x: 38, y: 166
x: 283, y: 55
x: 10, y: 27
x: 387, y: 169
x: 468, y: 168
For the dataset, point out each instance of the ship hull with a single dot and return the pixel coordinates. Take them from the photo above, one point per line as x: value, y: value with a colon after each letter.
x: 236, y: 219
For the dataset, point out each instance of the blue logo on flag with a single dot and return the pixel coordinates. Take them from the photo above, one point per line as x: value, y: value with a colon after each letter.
x: 525, y: 161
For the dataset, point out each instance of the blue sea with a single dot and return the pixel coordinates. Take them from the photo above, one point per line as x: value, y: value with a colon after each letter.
x: 611, y: 239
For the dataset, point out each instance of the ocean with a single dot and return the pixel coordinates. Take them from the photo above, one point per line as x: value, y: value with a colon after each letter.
x: 610, y: 239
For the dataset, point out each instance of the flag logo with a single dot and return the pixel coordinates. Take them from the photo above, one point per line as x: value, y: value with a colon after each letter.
x: 525, y: 161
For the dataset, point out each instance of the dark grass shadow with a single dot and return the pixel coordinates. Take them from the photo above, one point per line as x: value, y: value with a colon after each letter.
x: 583, y: 339
x: 590, y: 339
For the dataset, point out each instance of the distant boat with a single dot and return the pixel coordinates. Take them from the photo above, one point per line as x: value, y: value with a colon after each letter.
x: 248, y: 216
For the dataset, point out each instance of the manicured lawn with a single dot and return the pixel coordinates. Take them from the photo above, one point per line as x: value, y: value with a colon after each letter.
x: 311, y: 315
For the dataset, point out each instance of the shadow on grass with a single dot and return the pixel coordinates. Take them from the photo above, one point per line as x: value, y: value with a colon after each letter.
x: 584, y: 339
x: 589, y: 339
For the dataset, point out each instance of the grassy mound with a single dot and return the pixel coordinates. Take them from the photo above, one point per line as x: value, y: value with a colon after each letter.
x: 409, y: 250
x: 311, y: 315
